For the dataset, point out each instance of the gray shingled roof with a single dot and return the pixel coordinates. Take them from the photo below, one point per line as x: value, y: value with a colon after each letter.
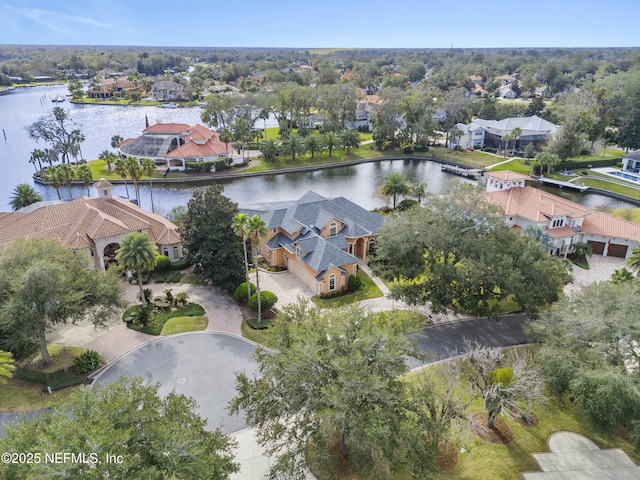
x: 632, y: 155
x: 306, y: 217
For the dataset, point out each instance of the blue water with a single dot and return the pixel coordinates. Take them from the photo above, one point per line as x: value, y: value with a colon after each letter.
x: 626, y: 176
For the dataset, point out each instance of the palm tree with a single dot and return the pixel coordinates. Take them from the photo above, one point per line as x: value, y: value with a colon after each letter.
x: 120, y: 168
x: 148, y: 167
x: 76, y: 138
x: 506, y: 138
x: 138, y: 253
x: 37, y: 156
x: 330, y: 141
x: 66, y: 173
x: 418, y: 190
x: 6, y: 366
x: 135, y: 172
x: 84, y: 173
x: 50, y: 174
x: 395, y: 184
x: 240, y: 226
x: 633, y: 262
x: 24, y: 195
x: 548, y: 159
x: 116, y: 140
x: 293, y: 145
x: 256, y: 228
x: 108, y: 157
x: 516, y: 133
x: 269, y: 149
x: 312, y: 143
x: 226, y: 136
x: 350, y: 138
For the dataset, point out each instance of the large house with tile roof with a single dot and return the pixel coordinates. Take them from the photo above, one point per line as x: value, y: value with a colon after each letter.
x: 172, y: 145
x: 92, y: 226
x: 567, y: 222
x: 320, y: 240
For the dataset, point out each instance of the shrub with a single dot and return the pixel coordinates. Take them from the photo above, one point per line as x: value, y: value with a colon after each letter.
x: 87, y: 361
x: 199, y: 166
x: 179, y: 265
x: 267, y: 300
x: 490, y: 150
x: 221, y: 165
x: 352, y: 283
x: 241, y: 293
x: 406, y: 204
x: 162, y: 263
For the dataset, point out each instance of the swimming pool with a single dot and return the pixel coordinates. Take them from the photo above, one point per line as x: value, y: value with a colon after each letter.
x: 626, y: 176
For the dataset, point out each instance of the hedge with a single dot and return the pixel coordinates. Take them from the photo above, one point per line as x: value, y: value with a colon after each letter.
x: 569, y: 165
x: 267, y: 300
x: 241, y: 293
x: 56, y: 380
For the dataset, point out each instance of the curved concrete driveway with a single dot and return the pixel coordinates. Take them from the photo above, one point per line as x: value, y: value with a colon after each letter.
x: 201, y: 365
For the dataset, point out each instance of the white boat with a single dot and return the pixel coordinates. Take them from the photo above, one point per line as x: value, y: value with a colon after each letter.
x: 58, y: 99
x: 169, y: 105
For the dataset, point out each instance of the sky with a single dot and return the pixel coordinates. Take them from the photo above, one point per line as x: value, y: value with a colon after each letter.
x: 322, y: 23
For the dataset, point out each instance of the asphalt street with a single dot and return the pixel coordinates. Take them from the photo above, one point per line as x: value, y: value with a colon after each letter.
x: 449, y: 339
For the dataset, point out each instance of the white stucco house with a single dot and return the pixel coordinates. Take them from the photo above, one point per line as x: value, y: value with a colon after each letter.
x: 567, y: 222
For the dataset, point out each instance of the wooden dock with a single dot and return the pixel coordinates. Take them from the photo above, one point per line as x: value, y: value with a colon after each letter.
x: 474, y: 173
x: 561, y: 184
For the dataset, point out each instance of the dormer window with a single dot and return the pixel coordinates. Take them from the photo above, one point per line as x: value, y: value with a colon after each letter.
x: 333, y: 229
x: 558, y: 222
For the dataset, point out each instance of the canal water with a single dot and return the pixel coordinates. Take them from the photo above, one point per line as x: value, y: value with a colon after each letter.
x: 359, y: 183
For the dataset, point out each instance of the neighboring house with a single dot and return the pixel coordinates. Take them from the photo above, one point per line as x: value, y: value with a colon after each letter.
x: 167, y: 90
x: 543, y: 91
x: 320, y: 240
x: 505, y: 91
x: 363, y: 111
x: 505, y: 79
x: 631, y: 162
x: 172, y: 145
x: 113, y: 88
x: 490, y: 133
x: 567, y: 223
x: 92, y: 226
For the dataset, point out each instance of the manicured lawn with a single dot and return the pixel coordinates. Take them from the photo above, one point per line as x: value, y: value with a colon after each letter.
x: 631, y: 214
x: 612, y: 187
x: 62, y: 356
x: 184, y: 324
x: 22, y: 396
x: 369, y: 290
x: 192, y: 279
x: 158, y: 319
x: 102, y: 101
x: 518, y: 166
x: 263, y: 337
x: 473, y: 159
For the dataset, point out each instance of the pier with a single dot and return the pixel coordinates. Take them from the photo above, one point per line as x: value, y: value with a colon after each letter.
x: 474, y: 173
x: 561, y: 184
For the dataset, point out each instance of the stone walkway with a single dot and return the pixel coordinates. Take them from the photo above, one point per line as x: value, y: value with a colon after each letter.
x: 575, y: 457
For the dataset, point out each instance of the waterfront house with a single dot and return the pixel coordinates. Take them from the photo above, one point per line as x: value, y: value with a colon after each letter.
x: 566, y: 222
x: 172, y: 145
x: 320, y: 240
x: 631, y: 162
x: 490, y: 133
x: 91, y: 226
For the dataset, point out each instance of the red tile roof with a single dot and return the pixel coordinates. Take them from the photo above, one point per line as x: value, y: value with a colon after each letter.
x: 167, y: 128
x: 601, y: 223
x: 507, y: 175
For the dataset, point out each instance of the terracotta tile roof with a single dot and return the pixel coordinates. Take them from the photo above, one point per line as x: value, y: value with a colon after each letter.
x: 102, y: 183
x: 601, y: 223
x: 561, y: 232
x: 535, y: 205
x: 507, y: 175
x: 167, y: 128
x: 78, y: 223
x: 192, y: 149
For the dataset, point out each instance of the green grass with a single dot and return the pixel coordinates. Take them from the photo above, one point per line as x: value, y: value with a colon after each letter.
x: 631, y: 214
x: 369, y: 290
x: 104, y: 101
x: 475, y: 159
x: 159, y: 318
x: 184, y: 324
x: 580, y: 262
x: 486, y: 461
x: 62, y: 356
x: 611, y: 187
x: 262, y: 336
x: 518, y: 166
x: 22, y: 396
x: 192, y: 279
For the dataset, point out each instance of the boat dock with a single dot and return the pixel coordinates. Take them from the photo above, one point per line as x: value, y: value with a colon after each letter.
x: 474, y: 173
x: 561, y: 184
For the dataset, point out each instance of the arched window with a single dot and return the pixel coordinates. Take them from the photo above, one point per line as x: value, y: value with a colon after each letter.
x: 332, y: 282
x: 333, y: 229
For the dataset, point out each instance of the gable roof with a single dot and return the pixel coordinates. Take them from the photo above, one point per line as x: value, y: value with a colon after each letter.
x: 529, y: 126
x: 507, y: 175
x: 632, y: 155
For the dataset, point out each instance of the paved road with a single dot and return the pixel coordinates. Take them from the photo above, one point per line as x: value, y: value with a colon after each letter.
x: 201, y: 365
x: 448, y: 339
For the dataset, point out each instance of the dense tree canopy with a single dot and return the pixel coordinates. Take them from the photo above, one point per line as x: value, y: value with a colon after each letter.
x: 457, y: 252
x: 589, y: 352
x: 145, y: 435
x: 45, y: 283
x: 332, y: 383
x: 212, y: 246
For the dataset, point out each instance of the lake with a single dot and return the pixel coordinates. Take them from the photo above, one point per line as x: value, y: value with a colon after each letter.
x: 359, y: 183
